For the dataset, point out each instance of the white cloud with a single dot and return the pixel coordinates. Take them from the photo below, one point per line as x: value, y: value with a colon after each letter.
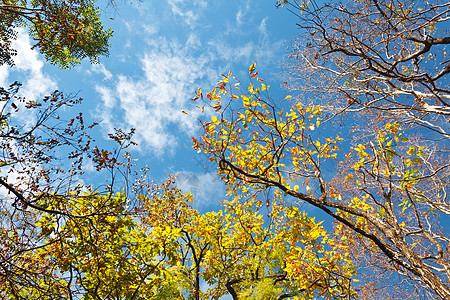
x: 154, y: 102
x: 150, y: 29
x: 100, y: 69
x: 263, y: 29
x: 234, y: 54
x: 4, y: 72
x: 245, y: 54
x: 241, y: 14
x: 29, y: 68
x: 106, y: 95
x: 189, y: 11
x: 105, y: 109
x: 206, y: 188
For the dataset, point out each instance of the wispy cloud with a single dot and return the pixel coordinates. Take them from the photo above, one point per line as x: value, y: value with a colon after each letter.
x: 247, y: 53
x: 207, y: 189
x: 101, y: 69
x: 178, y: 59
x: 154, y: 102
x: 242, y: 13
x: 189, y: 11
x: 263, y: 29
x: 233, y: 53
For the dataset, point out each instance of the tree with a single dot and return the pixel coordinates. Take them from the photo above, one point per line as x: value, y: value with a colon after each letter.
x: 165, y: 249
x: 388, y: 193
x: 65, y: 31
x: 35, y: 180
x: 378, y: 63
x: 385, y: 58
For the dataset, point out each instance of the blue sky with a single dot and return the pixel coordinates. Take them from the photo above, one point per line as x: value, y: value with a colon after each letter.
x: 161, y: 52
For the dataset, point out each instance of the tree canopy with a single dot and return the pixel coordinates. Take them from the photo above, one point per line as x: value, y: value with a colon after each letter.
x: 387, y: 191
x: 165, y: 249
x: 62, y: 239
x: 377, y: 69
x: 64, y: 31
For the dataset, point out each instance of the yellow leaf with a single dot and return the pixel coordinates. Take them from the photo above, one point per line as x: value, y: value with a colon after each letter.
x: 251, y: 69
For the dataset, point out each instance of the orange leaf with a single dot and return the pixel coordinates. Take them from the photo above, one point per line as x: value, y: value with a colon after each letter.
x: 254, y: 75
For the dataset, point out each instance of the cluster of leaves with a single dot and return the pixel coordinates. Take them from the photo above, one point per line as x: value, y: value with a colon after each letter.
x: 65, y: 31
x: 7, y: 35
x: 238, y: 251
x: 165, y: 249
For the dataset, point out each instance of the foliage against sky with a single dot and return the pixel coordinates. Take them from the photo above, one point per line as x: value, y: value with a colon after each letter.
x: 384, y: 195
x: 64, y: 31
x: 160, y: 53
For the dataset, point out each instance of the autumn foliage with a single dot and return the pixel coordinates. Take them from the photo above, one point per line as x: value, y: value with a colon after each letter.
x: 65, y: 31
x: 375, y: 68
x: 383, y: 194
